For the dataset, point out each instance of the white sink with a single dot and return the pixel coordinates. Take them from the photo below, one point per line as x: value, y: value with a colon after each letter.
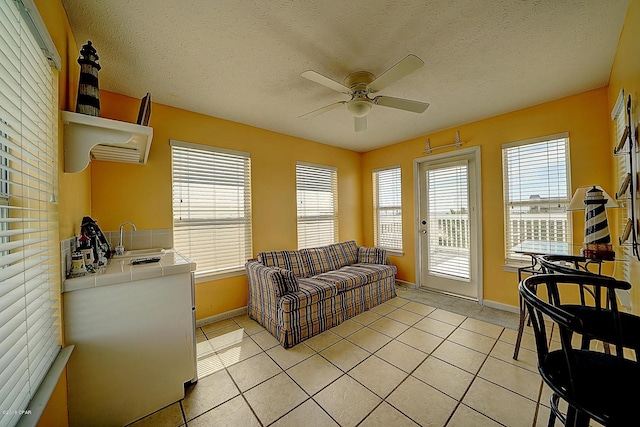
x: 137, y: 253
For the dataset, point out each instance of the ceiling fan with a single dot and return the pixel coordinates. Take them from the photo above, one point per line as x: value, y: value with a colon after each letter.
x: 360, y: 84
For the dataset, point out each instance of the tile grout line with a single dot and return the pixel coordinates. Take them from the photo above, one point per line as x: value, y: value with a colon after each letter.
x: 345, y: 337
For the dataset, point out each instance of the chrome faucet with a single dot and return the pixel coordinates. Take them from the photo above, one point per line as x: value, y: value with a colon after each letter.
x: 120, y: 247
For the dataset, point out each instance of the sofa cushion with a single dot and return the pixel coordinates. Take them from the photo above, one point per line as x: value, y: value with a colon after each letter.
x: 310, y: 292
x: 289, y: 280
x: 317, y: 260
x: 344, y: 253
x: 289, y: 260
x: 372, y: 255
x: 352, y: 276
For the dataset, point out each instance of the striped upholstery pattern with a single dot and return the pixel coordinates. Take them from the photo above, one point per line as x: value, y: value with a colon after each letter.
x: 317, y: 260
x: 289, y: 279
x: 289, y: 260
x: 293, y: 306
x: 265, y: 290
x: 372, y: 255
x: 311, y: 291
x: 344, y: 253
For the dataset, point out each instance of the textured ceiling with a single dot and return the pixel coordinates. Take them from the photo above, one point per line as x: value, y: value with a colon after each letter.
x: 241, y: 60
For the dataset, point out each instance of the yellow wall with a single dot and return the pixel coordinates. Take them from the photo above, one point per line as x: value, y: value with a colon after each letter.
x: 142, y: 194
x: 625, y: 73
x: 584, y: 116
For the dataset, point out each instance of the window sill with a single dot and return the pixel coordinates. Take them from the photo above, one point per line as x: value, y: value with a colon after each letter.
x: 39, y: 401
x: 211, y: 276
x: 394, y: 253
x: 513, y: 266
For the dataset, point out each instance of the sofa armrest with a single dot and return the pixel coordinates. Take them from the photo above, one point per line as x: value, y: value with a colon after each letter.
x: 264, y: 282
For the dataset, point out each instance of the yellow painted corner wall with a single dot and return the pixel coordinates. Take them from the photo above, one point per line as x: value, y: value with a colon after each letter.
x: 584, y: 116
x: 142, y: 194
x: 74, y: 189
x: 625, y: 73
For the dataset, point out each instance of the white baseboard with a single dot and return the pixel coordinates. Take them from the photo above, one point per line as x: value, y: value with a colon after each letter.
x: 222, y: 316
x: 501, y: 306
x: 407, y: 284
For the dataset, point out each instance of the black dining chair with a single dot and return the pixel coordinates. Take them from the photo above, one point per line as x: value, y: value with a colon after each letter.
x: 596, y: 386
x: 628, y: 324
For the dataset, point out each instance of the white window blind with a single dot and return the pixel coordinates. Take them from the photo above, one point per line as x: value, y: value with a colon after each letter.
x: 387, y: 206
x: 536, y: 191
x: 317, y: 198
x: 448, y: 221
x: 212, y: 206
x: 30, y: 336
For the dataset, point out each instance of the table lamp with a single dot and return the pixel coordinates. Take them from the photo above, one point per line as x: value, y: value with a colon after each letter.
x: 597, y: 240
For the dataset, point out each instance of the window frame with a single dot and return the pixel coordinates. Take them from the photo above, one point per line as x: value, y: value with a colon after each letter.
x: 512, y: 258
x: 30, y: 270
x: 226, y: 157
x: 378, y: 233
x: 313, y: 239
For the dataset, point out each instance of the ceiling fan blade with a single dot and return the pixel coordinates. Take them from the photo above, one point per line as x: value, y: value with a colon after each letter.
x: 407, y: 65
x: 401, y: 104
x: 325, y: 81
x: 322, y: 110
x: 360, y: 123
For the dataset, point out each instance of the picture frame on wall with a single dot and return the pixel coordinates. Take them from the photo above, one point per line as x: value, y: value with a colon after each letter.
x: 145, y: 110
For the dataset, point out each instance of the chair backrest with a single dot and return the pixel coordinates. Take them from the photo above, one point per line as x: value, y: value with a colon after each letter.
x: 557, y: 307
x: 571, y: 265
x: 568, y: 322
x: 564, y: 264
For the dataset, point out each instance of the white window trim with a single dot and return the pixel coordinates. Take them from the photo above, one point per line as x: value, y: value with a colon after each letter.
x: 514, y: 263
x: 52, y: 366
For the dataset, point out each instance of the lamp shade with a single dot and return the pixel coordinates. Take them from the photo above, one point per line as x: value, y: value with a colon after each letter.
x: 577, y: 201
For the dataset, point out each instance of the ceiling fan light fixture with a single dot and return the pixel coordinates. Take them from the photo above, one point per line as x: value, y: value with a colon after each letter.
x: 359, y: 107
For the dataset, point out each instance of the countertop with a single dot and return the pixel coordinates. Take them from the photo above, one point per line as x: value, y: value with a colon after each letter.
x: 121, y: 271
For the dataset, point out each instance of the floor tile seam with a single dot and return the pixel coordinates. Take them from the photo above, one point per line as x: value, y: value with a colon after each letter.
x: 403, y: 413
x: 356, y: 344
x: 400, y: 321
x: 480, y: 333
x: 286, y: 412
x: 444, y: 321
x: 475, y: 376
x: 474, y: 410
x: 182, y: 411
x: 365, y: 386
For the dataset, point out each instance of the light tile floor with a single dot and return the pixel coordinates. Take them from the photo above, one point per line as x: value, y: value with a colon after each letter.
x: 401, y: 364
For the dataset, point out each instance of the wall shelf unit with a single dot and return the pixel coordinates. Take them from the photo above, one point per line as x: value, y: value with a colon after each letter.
x: 628, y: 190
x: 88, y: 138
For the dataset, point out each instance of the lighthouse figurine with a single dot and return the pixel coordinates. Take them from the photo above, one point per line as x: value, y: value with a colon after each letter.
x: 88, y: 93
x: 597, y: 241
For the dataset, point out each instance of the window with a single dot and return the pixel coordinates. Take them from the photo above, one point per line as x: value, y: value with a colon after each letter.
x: 30, y: 335
x: 536, y: 191
x: 387, y: 209
x: 317, y: 198
x: 211, y: 206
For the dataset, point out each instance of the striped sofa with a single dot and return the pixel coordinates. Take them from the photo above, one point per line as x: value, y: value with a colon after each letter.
x: 298, y: 294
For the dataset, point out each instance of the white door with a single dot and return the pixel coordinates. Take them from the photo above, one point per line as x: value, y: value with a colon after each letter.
x: 449, y: 247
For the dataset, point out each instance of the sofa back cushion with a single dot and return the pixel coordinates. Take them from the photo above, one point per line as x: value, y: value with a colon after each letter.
x: 372, y: 255
x: 317, y: 260
x: 344, y: 253
x: 288, y: 260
